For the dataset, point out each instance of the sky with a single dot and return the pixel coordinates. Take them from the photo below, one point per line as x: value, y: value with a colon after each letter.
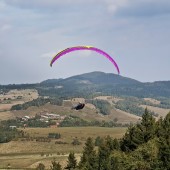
x: 136, y: 33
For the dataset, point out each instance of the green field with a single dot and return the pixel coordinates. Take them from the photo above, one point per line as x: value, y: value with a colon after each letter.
x: 27, y: 154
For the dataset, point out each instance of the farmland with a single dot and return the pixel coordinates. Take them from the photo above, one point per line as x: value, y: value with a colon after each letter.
x: 26, y: 154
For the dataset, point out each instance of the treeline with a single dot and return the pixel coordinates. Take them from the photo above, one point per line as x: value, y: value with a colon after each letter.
x: 144, y: 146
x: 66, y: 90
x: 164, y: 103
x: 74, y: 121
x: 37, y: 102
x: 103, y: 106
x: 8, y: 133
x: 9, y: 87
x: 38, y: 123
x: 132, y: 105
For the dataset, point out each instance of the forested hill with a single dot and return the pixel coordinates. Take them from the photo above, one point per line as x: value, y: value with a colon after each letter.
x: 95, y: 78
x: 97, y: 83
x: 105, y: 83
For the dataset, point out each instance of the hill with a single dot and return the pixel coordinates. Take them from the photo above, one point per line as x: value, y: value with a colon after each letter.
x: 121, y: 97
x: 105, y: 84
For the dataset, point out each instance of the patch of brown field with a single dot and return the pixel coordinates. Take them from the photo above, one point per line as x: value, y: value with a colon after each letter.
x: 67, y: 135
x: 110, y: 99
x: 32, y: 147
x: 154, y: 101
x: 5, y: 105
x: 6, y: 115
x: 67, y: 103
x: 27, y: 94
x: 74, y: 101
x: 124, y: 117
x: 28, y: 154
x: 31, y: 111
x: 8, y: 106
x: 160, y: 111
x: 77, y: 100
x: 62, y: 159
x: 32, y: 161
x: 89, y: 113
x: 16, y: 163
x: 91, y: 106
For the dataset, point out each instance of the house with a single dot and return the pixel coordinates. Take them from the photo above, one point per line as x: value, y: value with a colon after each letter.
x: 13, y: 127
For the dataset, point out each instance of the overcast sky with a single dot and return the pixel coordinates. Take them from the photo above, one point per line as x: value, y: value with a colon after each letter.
x: 136, y: 33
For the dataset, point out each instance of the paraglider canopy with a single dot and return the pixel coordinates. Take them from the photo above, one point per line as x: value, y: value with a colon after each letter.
x: 68, y: 50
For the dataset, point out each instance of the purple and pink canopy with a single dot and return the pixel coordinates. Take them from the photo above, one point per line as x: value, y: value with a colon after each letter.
x: 68, y: 50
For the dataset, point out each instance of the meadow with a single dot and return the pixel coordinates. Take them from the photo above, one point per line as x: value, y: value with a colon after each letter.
x: 27, y: 154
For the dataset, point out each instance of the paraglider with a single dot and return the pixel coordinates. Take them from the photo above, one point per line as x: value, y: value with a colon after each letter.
x: 79, y: 106
x: 71, y: 49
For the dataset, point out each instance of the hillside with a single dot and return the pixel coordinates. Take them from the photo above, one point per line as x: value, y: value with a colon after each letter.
x: 105, y: 84
x: 128, y: 97
x: 95, y: 83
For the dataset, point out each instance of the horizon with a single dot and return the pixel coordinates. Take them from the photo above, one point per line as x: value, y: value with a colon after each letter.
x: 80, y: 75
x: 134, y: 33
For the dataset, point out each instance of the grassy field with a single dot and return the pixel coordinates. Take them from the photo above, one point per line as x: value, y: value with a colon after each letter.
x: 89, y: 113
x: 14, y: 97
x: 27, y: 154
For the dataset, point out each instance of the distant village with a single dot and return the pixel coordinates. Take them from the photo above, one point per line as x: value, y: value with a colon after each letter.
x: 43, y: 117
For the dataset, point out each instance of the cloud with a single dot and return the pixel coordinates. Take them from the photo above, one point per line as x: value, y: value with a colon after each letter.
x: 2, y: 5
x: 33, y: 31
x: 48, y: 55
x: 5, y: 27
x: 46, y: 4
x: 144, y: 8
x: 119, y: 7
x: 114, y: 6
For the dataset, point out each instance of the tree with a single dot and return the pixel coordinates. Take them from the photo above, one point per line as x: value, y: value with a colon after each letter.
x: 56, y: 165
x: 40, y: 167
x: 164, y: 143
x: 106, y: 148
x: 104, y: 155
x: 116, y: 144
x: 148, y: 126
x: 98, y: 141
x: 139, y: 134
x: 76, y: 142
x: 89, y: 159
x: 72, y: 162
x: 131, y: 139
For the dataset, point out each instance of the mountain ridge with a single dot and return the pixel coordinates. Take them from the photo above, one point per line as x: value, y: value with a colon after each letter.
x: 108, y: 84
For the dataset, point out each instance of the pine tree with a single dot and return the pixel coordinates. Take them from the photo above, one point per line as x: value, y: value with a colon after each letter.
x: 98, y: 141
x: 56, y: 165
x: 104, y: 152
x: 131, y: 139
x: 72, y: 162
x: 148, y: 126
x: 116, y: 144
x: 159, y: 125
x: 139, y: 134
x: 164, y: 143
x: 89, y: 159
x: 40, y: 167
